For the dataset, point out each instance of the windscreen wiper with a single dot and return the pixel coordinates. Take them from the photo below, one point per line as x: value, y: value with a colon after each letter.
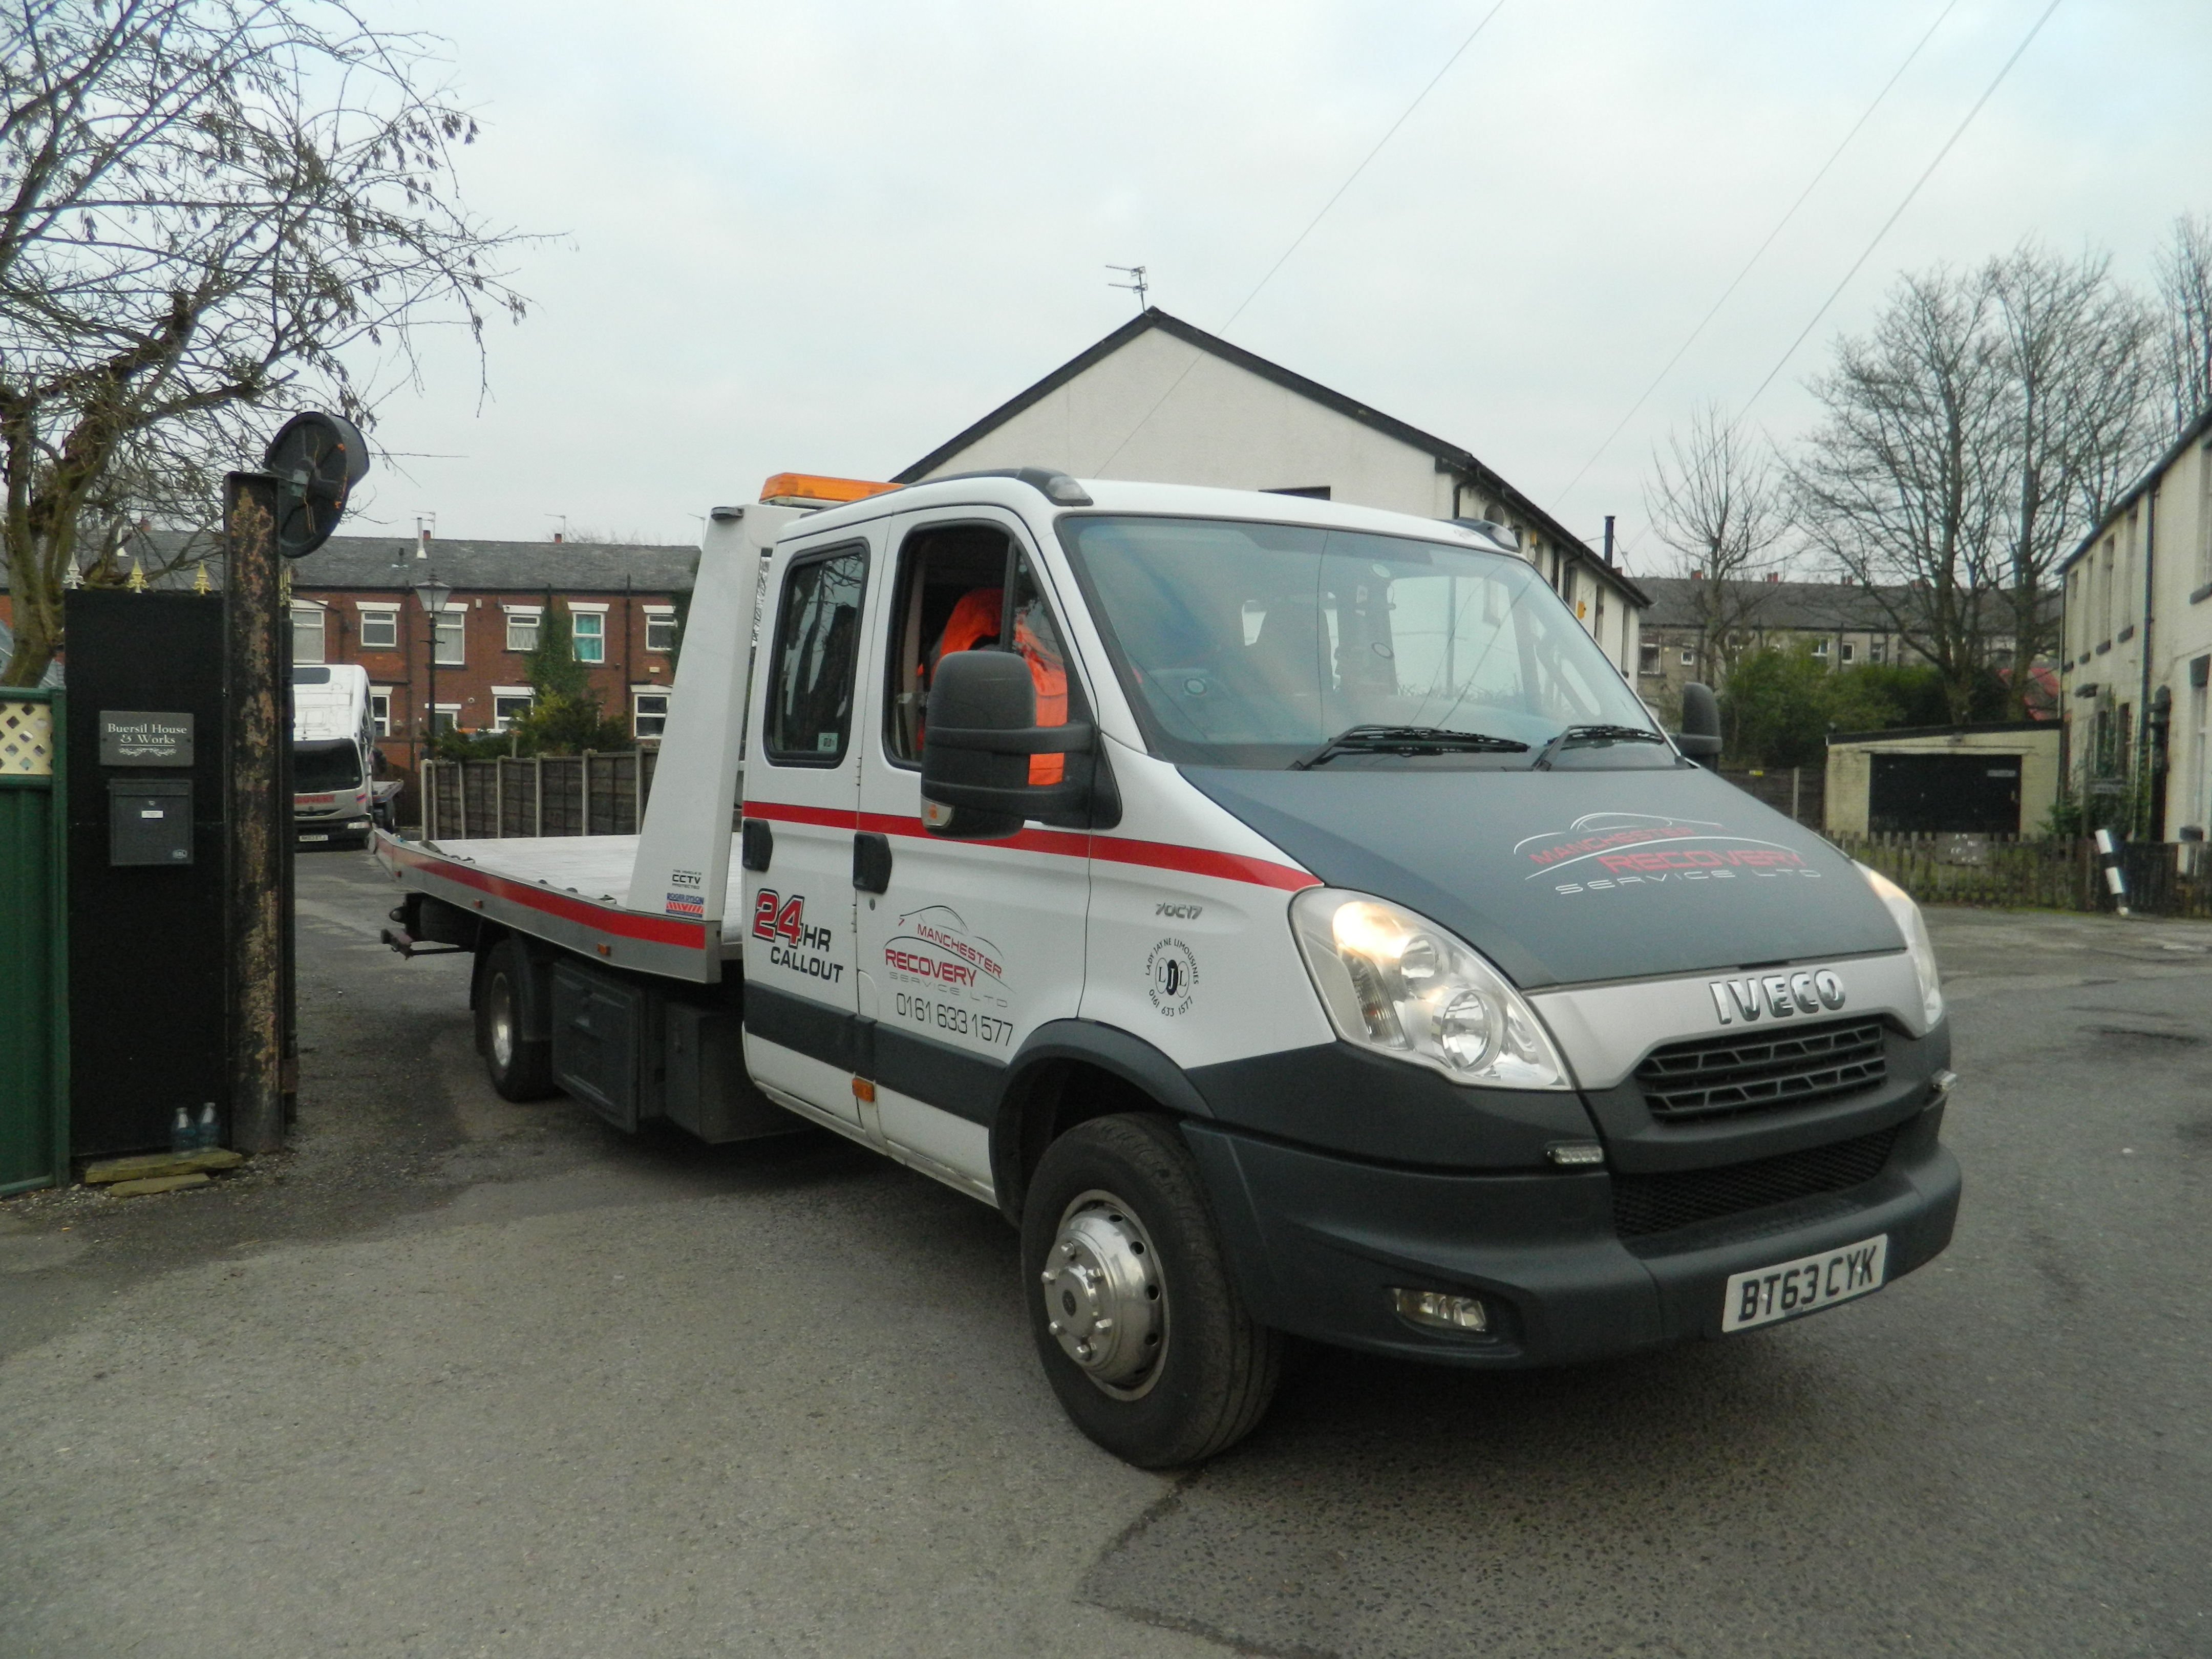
x: 1406, y: 740
x: 1575, y: 734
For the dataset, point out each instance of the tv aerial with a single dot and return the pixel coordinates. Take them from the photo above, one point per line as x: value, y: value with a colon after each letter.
x: 1136, y: 284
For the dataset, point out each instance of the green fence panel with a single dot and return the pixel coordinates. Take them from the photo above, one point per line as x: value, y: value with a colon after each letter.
x: 33, y: 944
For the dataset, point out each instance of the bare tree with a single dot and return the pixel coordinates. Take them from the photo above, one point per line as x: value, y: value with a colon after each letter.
x: 1718, y: 501
x: 2078, y: 355
x: 1903, y: 482
x: 210, y: 210
x: 2185, y: 286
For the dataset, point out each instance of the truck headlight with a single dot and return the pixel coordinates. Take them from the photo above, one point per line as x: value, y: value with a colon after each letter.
x: 1917, y: 945
x: 1396, y: 982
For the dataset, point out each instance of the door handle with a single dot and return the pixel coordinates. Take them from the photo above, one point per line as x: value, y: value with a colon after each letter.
x: 871, y: 862
x: 755, y: 844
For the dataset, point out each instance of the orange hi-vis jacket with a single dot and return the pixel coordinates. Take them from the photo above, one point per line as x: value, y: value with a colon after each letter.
x: 975, y: 619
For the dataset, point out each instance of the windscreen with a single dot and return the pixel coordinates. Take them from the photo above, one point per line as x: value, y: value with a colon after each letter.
x: 324, y: 768
x: 1244, y: 644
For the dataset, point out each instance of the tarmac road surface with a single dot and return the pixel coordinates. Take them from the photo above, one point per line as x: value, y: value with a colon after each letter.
x: 452, y: 1377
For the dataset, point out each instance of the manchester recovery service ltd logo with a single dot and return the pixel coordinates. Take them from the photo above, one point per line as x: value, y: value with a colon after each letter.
x: 1609, y: 852
x: 934, y: 947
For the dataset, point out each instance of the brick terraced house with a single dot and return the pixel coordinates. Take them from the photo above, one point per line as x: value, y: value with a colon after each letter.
x: 353, y: 600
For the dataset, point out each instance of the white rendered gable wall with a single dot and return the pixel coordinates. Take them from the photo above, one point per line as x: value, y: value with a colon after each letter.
x: 1225, y: 426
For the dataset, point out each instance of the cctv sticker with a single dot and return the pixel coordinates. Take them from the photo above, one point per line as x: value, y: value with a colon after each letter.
x: 1171, y: 977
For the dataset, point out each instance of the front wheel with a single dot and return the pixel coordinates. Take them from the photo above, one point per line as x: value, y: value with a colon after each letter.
x: 1136, y: 1317
x: 520, y: 1069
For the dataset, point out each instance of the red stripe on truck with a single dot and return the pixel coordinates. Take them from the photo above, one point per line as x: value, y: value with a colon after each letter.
x: 622, y: 924
x: 1116, y: 849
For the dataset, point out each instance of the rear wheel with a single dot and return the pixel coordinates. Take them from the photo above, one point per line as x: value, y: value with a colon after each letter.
x: 1137, y: 1322
x: 521, y: 1069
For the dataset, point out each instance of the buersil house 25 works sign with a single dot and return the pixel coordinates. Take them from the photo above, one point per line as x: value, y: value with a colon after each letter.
x: 132, y: 737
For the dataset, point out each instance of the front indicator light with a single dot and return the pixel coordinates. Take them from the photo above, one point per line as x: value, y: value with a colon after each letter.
x: 1574, y: 1154
x: 1395, y: 982
x: 1440, y: 1310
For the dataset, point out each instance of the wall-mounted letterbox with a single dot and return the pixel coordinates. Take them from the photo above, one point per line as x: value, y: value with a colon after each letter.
x: 149, y: 821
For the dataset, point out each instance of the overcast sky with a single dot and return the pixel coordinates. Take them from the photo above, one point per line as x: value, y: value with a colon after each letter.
x: 824, y: 238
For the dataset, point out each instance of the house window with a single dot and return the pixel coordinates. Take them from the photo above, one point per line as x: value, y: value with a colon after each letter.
x: 447, y: 717
x: 522, y: 628
x: 380, y: 710
x: 2197, y: 712
x: 306, y: 633
x: 590, y: 631
x: 2204, y: 516
x: 1820, y: 649
x: 659, y: 628
x: 1879, y: 651
x: 1851, y: 651
x: 379, y: 629
x: 1647, y: 657
x: 649, y: 714
x: 1689, y: 657
x: 509, y: 703
x: 453, y: 627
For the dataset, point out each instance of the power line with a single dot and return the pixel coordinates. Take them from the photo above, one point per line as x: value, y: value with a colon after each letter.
x: 1779, y: 225
x: 1353, y: 177
x: 1959, y: 132
x: 1299, y: 241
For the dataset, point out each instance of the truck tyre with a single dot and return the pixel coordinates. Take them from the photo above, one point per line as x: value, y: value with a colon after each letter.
x: 520, y: 1069
x: 1136, y: 1317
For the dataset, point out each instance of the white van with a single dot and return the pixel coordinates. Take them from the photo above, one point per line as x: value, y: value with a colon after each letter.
x: 333, y: 753
x: 1281, y: 911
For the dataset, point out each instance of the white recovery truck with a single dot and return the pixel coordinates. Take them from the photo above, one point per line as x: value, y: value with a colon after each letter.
x: 334, y: 790
x: 1281, y: 911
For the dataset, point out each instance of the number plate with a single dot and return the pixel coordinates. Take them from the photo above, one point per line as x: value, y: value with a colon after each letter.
x: 1811, y: 1282
x: 314, y: 838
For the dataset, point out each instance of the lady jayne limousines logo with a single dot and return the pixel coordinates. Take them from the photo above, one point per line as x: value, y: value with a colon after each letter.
x: 1604, y: 852
x: 1171, y: 977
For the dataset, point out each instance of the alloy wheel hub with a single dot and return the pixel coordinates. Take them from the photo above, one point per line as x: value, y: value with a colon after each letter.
x: 502, y: 1026
x: 1104, y: 1303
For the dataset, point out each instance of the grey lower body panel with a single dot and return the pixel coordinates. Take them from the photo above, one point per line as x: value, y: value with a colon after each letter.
x: 1318, y: 1240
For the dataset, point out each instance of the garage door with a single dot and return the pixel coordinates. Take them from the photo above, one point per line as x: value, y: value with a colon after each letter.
x: 1945, y: 794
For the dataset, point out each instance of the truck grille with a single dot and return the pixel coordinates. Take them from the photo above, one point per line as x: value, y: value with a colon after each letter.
x: 1725, y: 1077
x: 1647, y: 1204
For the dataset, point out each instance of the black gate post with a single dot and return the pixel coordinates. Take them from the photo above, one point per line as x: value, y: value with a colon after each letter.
x: 258, y: 743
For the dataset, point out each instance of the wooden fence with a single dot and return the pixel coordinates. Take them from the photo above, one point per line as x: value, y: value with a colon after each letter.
x: 2164, y: 878
x: 1798, y: 791
x: 586, y: 794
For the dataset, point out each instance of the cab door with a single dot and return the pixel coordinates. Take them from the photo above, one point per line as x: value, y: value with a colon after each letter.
x: 966, y: 947
x: 802, y: 782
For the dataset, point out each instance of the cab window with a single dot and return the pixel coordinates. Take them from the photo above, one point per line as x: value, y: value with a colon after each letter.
x: 969, y: 588
x: 810, y: 676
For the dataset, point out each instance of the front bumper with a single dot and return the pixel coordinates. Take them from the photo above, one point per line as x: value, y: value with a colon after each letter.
x: 325, y: 828
x: 1318, y: 1239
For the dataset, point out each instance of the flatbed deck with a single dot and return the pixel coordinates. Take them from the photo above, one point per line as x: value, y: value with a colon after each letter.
x: 566, y: 890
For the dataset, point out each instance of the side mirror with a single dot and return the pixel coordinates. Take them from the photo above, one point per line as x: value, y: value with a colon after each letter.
x: 976, y: 752
x: 1700, y: 736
